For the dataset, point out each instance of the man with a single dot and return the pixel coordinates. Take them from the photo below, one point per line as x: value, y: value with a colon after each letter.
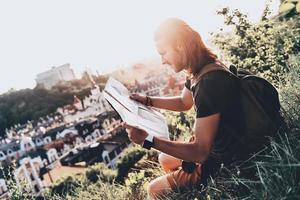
x: 215, y: 97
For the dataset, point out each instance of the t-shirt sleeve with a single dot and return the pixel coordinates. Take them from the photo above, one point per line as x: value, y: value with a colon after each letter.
x: 188, y: 84
x: 213, y: 94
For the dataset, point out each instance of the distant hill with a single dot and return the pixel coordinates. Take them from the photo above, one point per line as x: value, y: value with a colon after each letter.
x: 17, y: 107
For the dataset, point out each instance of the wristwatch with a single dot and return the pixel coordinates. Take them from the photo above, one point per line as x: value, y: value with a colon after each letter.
x: 188, y: 167
x: 148, y: 142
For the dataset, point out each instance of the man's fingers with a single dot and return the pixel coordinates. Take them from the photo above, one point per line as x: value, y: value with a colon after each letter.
x: 128, y: 129
x: 129, y: 136
x: 134, y: 96
x: 127, y: 126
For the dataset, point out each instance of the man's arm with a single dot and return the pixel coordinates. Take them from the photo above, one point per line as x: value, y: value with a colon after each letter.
x: 178, y: 103
x: 196, y: 151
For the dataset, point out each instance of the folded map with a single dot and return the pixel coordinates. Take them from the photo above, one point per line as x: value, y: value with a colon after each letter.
x: 133, y: 112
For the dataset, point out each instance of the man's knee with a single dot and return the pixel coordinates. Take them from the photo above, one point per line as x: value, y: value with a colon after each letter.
x: 164, y: 162
x: 168, y: 163
x: 151, y: 190
x: 158, y: 187
x: 162, y: 159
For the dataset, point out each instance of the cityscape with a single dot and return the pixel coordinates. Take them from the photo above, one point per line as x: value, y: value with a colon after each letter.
x: 78, y: 134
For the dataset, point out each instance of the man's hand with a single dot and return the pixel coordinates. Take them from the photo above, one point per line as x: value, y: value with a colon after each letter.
x: 140, y: 98
x: 135, y: 135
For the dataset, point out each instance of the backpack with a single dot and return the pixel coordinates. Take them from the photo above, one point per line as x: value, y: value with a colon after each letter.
x: 260, y: 106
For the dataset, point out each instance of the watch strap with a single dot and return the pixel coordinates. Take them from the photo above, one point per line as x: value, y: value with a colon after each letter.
x: 148, y: 142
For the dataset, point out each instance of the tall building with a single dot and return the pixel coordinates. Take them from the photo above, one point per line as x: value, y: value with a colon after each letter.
x: 51, y: 77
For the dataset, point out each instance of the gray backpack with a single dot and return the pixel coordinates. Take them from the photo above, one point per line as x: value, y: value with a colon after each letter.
x: 260, y: 104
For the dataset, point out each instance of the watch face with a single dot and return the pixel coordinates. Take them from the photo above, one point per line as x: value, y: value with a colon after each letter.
x: 188, y: 167
x: 147, y: 144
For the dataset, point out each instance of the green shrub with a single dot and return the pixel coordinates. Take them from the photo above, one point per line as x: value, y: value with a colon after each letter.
x: 94, y: 191
x: 262, y: 48
x: 289, y: 7
x: 289, y: 90
x: 136, y: 183
x: 128, y: 159
x: 180, y: 124
x: 100, y: 172
x: 67, y: 185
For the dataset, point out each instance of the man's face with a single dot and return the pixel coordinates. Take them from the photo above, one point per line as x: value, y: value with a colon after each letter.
x: 170, y: 55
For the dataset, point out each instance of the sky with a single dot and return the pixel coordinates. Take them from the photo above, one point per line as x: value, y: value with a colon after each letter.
x: 96, y: 34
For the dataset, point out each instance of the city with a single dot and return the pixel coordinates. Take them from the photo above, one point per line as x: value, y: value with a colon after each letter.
x: 82, y: 133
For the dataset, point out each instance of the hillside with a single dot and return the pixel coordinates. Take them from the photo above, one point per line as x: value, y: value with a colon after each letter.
x: 270, y: 49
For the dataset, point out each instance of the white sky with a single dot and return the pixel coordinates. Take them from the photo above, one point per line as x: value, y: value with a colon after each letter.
x: 101, y: 35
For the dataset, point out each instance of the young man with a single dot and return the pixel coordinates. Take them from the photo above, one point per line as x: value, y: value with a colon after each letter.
x: 215, y: 97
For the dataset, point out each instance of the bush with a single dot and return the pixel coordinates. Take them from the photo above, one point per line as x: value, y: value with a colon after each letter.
x: 100, y: 172
x: 129, y: 158
x: 180, y: 124
x: 95, y: 191
x: 289, y: 90
x: 67, y: 186
x: 136, y: 184
x: 262, y: 48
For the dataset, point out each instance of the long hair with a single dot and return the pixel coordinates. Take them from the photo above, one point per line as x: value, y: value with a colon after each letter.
x: 196, y: 55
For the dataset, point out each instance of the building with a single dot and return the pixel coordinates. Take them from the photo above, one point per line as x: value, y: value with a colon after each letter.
x: 15, y: 149
x: 87, y: 127
x: 91, y: 105
x: 27, y: 175
x: 53, y: 76
x: 3, y: 189
x: 106, y: 150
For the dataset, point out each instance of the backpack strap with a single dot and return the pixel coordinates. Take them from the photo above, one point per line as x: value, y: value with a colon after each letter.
x: 216, y: 66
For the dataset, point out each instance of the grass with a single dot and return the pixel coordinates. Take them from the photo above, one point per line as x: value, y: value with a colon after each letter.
x: 277, y: 177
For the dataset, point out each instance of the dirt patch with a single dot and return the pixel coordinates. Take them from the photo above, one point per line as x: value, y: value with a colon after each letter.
x: 61, y: 171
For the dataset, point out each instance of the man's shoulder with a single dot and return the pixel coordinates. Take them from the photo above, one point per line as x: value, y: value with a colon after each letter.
x: 215, y: 93
x: 218, y: 75
x: 215, y: 79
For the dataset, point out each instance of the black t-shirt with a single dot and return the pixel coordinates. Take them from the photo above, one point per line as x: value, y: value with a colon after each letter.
x: 218, y: 92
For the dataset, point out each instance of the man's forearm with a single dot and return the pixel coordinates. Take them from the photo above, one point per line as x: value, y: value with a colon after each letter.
x: 180, y: 150
x: 169, y: 103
